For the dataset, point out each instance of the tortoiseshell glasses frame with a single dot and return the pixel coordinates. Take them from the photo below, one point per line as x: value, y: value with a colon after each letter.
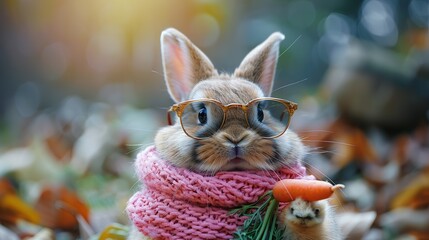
x: 179, y: 108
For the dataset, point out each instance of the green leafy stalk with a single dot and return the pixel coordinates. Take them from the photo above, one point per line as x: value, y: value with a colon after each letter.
x: 268, y: 219
x: 261, y: 223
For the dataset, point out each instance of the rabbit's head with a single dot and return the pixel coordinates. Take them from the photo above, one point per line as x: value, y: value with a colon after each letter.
x: 217, y: 138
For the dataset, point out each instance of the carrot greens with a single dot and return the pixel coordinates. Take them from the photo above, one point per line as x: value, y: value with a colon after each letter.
x: 261, y: 222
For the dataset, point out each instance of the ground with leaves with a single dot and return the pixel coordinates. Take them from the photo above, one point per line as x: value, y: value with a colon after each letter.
x: 71, y: 178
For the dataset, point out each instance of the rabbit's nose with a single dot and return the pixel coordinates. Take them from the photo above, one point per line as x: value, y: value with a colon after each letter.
x: 236, y: 144
x: 232, y: 136
x: 235, y: 140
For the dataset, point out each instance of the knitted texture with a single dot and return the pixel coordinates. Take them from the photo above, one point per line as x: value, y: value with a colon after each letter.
x: 177, y: 203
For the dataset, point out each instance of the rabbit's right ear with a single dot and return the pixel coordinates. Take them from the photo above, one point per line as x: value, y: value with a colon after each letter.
x: 259, y: 66
x: 184, y: 64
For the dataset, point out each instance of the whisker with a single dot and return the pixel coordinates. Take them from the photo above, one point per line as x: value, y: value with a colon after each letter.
x: 284, y: 164
x: 138, y: 144
x: 316, y: 131
x: 156, y: 72
x: 322, y: 174
x: 139, y: 147
x: 315, y: 150
x: 323, y: 152
x: 287, y: 49
x: 290, y: 84
x: 135, y: 186
x: 328, y: 141
x: 276, y: 175
x: 141, y: 130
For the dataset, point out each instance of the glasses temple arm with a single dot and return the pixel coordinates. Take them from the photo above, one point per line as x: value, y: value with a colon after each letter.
x: 169, y: 120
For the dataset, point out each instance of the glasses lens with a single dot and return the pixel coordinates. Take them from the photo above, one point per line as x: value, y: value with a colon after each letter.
x: 268, y: 117
x: 201, y: 119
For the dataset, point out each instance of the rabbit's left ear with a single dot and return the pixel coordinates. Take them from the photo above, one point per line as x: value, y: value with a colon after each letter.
x: 259, y: 66
x: 184, y: 64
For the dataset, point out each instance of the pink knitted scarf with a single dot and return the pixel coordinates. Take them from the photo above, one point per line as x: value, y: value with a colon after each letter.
x: 176, y: 203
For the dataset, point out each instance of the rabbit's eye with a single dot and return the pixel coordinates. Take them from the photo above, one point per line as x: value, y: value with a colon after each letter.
x: 316, y: 212
x: 202, y: 116
x: 260, y: 114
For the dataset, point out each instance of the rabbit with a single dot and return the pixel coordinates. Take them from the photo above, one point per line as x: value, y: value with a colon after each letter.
x: 189, y: 74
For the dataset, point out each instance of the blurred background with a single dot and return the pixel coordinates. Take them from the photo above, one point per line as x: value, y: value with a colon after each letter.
x: 82, y: 91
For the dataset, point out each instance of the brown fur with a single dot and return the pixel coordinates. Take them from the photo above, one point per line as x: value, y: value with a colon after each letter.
x: 213, y: 154
x: 189, y: 74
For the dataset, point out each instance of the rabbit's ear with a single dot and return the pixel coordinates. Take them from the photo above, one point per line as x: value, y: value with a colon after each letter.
x: 184, y: 64
x: 259, y: 66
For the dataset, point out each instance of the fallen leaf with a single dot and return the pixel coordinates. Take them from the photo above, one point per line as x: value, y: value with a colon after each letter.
x: 6, y: 186
x: 58, y: 148
x: 400, y: 149
x: 363, y: 148
x: 114, y: 231
x: 14, y: 209
x: 414, y: 194
x: 346, y: 143
x: 420, y: 235
x: 59, y: 208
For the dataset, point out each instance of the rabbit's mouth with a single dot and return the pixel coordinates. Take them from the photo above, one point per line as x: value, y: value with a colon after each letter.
x: 237, y: 161
x: 236, y: 164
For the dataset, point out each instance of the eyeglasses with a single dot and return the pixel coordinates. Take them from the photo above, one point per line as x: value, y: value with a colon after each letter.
x: 201, y: 118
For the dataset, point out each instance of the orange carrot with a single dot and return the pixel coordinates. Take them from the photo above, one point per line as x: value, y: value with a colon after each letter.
x: 310, y: 190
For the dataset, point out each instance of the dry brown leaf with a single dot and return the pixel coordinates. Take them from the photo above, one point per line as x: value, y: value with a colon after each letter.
x: 419, y: 39
x: 59, y: 207
x: 400, y: 150
x: 420, y: 235
x: 14, y: 209
x: 351, y: 145
x: 58, y: 148
x: 324, y: 138
x: 348, y: 143
x: 344, y: 153
x: 6, y: 187
x: 413, y: 194
x: 316, y: 139
x: 363, y: 149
